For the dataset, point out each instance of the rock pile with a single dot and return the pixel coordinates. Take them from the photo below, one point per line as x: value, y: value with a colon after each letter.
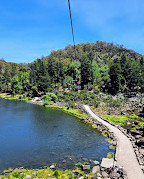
x: 111, y: 170
x: 107, y: 170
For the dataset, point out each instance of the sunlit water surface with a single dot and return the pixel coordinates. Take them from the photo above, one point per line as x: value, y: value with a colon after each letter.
x: 33, y: 136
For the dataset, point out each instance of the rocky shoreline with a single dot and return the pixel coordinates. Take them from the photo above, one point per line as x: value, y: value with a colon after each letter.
x: 108, y: 168
x: 114, y: 171
x: 138, y: 145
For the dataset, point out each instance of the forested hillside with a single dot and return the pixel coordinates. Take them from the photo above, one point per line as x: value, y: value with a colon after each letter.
x: 96, y: 66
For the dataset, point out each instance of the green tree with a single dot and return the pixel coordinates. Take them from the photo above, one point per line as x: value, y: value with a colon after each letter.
x: 96, y: 76
x: 68, y: 82
x: 86, y: 69
x: 115, y: 76
x: 39, y: 76
x: 15, y: 84
x: 23, y: 78
x: 105, y: 77
x: 74, y: 69
x: 52, y: 69
x: 43, y: 79
x: 6, y: 79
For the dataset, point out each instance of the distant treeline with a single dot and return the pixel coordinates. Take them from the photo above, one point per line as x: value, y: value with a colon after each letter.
x: 94, y: 66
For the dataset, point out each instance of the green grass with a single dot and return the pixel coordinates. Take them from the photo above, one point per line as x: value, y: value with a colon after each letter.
x: 110, y: 155
x: 36, y: 173
x: 140, y: 124
x: 112, y: 147
x: 44, y: 173
x: 122, y: 119
x: 116, y: 119
x: 17, y: 98
x: 72, y: 111
x: 3, y: 95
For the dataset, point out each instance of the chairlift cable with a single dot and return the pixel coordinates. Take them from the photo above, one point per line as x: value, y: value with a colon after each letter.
x: 71, y: 23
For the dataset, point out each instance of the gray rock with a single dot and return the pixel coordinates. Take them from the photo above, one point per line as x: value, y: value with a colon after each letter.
x: 140, y: 142
x: 95, y: 169
x: 98, y: 175
x: 114, y: 175
x: 135, y: 132
x: 138, y: 136
x: 85, y: 159
x: 52, y: 167
x: 104, y: 174
x: 96, y: 162
x: 114, y: 143
x: 85, y: 167
x: 107, y: 163
x: 27, y: 177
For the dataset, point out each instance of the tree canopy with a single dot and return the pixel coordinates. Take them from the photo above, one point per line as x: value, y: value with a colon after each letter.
x: 106, y: 66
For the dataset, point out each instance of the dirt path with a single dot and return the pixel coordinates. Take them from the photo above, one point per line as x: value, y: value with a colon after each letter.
x: 125, y: 153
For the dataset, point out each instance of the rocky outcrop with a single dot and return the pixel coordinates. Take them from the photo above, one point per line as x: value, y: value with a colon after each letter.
x: 95, y: 169
x: 110, y: 170
x: 107, y: 163
x: 85, y: 167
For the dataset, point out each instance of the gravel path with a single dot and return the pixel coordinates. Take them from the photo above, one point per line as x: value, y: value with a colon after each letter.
x: 125, y: 153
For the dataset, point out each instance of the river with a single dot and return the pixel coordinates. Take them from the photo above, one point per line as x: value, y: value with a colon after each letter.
x: 33, y: 136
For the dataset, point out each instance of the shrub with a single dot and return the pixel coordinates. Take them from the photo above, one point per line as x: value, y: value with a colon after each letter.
x: 140, y: 124
x: 20, y: 97
x: 50, y: 97
x: 96, y: 104
x: 71, y: 104
x: 68, y: 82
x: 46, y: 103
x: 96, y: 90
x: 89, y: 87
x: 29, y: 98
x: 106, y: 133
x: 110, y: 155
x: 134, y: 117
x: 74, y: 88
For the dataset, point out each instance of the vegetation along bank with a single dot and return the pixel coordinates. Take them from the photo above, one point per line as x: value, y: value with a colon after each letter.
x: 107, y: 77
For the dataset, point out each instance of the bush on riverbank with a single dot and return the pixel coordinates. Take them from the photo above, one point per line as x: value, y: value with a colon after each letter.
x: 51, y: 97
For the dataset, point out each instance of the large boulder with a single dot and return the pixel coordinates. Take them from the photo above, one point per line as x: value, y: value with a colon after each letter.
x: 52, y: 167
x: 95, y: 169
x: 85, y: 167
x: 135, y: 132
x: 104, y: 174
x: 114, y: 175
x: 27, y: 177
x: 107, y: 163
x: 140, y: 142
x: 96, y: 162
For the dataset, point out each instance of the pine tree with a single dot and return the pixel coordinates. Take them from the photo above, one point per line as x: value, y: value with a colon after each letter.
x: 115, y: 76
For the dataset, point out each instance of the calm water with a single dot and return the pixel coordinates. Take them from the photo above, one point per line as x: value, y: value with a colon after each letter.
x: 32, y: 136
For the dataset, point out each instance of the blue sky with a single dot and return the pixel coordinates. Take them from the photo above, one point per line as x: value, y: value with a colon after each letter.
x: 30, y: 29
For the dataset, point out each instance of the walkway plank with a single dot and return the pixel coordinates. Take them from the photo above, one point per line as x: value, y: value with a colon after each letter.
x: 125, y: 153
